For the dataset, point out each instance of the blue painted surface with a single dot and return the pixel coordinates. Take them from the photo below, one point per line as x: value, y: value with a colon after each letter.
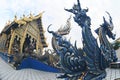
x: 35, y: 64
x: 31, y: 63
x: 4, y: 56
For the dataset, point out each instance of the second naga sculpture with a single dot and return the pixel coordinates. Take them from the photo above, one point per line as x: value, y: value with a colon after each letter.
x: 90, y: 62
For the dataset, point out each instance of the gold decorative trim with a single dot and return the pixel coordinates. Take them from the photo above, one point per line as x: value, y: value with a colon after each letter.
x: 11, y: 40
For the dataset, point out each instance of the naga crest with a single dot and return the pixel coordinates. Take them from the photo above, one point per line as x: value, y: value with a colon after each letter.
x: 61, y: 31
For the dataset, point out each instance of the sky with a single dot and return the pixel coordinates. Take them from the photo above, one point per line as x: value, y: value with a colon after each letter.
x: 57, y: 16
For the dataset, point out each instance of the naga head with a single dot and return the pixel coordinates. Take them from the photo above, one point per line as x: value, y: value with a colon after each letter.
x: 108, y: 26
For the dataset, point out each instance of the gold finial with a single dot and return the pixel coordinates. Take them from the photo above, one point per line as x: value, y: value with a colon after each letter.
x: 31, y: 15
x: 8, y: 22
x: 26, y: 19
x: 20, y: 22
x: 15, y: 18
x: 23, y: 15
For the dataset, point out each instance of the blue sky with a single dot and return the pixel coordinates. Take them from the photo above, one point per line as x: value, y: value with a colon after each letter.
x: 55, y: 14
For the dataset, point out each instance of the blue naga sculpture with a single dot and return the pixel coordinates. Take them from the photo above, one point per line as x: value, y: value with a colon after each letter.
x: 90, y: 62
